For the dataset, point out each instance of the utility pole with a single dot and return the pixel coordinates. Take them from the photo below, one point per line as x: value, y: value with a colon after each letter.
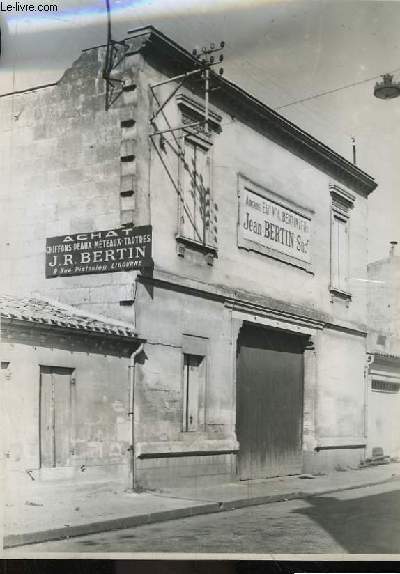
x: 114, y: 54
x: 203, y: 61
x: 206, y: 59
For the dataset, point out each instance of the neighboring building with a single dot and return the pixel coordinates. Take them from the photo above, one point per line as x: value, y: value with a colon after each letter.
x: 383, y: 404
x: 66, y: 384
x: 254, y: 312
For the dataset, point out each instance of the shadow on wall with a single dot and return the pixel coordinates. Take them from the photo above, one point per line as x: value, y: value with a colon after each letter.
x: 368, y: 525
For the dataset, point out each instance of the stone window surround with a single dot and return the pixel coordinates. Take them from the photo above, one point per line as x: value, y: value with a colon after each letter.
x: 195, y: 346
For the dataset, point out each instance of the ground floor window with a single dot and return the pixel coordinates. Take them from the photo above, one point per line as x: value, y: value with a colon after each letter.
x: 194, y: 371
x: 385, y: 386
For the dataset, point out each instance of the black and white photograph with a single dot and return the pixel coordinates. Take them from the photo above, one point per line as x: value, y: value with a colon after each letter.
x: 200, y: 279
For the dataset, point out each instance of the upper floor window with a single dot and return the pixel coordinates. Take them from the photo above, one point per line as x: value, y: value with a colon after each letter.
x: 340, y: 248
x: 196, y: 191
x: 197, y: 215
x: 342, y: 202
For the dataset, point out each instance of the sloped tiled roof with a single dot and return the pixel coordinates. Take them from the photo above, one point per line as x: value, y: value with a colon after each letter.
x: 44, y: 311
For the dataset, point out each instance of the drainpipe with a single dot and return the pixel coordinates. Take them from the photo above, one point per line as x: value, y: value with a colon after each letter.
x: 132, y: 376
x: 367, y: 383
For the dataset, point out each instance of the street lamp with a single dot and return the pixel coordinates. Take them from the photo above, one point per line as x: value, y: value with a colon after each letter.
x: 387, y: 89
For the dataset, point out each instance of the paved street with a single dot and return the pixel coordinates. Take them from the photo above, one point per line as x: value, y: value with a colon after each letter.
x: 364, y: 520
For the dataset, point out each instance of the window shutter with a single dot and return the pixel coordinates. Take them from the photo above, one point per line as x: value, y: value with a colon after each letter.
x: 194, y: 375
x: 195, y: 219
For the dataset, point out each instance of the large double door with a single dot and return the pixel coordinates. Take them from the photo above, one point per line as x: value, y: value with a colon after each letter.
x: 270, y: 365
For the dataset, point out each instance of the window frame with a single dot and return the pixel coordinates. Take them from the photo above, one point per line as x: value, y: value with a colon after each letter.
x: 341, y: 203
x: 201, y: 381
x: 197, y: 142
x: 380, y: 385
x: 191, y: 109
x: 194, y: 346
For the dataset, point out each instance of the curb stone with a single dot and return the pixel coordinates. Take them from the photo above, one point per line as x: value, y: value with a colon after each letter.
x: 65, y: 532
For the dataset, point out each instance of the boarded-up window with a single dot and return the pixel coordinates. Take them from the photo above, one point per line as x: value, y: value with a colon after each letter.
x: 339, y: 261
x: 194, y: 384
x: 342, y: 203
x: 195, y: 208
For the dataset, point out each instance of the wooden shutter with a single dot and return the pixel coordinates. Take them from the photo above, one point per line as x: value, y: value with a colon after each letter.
x: 196, y: 190
x: 194, y: 372
x: 339, y: 253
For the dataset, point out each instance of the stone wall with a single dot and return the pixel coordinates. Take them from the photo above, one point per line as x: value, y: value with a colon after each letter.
x: 167, y: 319
x: 70, y: 166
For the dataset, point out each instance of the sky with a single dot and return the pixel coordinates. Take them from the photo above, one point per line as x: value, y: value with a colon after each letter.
x: 279, y: 51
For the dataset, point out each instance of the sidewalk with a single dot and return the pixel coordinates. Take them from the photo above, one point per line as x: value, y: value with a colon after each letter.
x: 62, y: 509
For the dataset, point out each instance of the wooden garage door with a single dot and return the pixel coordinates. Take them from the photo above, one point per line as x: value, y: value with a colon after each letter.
x: 269, y: 402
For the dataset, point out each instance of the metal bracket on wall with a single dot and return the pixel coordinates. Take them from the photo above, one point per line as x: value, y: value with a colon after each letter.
x: 203, y: 62
x: 114, y: 86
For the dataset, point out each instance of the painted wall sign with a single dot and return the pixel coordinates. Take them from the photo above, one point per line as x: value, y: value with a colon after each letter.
x: 123, y: 249
x: 273, y: 227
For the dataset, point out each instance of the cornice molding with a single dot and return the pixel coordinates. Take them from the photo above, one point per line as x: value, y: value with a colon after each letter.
x: 260, y: 305
x: 194, y: 107
x: 340, y: 194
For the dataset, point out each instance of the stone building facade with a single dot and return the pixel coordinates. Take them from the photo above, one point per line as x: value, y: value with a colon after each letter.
x: 254, y: 312
x: 66, y: 387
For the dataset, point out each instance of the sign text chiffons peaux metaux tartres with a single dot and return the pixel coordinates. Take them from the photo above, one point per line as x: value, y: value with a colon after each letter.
x: 122, y: 249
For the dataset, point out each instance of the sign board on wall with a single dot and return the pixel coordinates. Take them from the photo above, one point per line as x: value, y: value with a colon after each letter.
x: 122, y: 249
x: 273, y: 226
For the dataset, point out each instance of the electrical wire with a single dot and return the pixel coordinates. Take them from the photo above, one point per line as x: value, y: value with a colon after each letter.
x: 324, y: 122
x: 334, y: 90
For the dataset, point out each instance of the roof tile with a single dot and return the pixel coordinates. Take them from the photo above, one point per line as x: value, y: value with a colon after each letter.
x: 40, y: 310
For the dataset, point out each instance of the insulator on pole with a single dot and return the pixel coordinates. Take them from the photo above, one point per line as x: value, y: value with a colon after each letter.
x: 221, y: 71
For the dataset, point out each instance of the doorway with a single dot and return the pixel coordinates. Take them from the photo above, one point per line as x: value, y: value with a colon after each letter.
x: 270, y: 373
x: 55, y: 416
